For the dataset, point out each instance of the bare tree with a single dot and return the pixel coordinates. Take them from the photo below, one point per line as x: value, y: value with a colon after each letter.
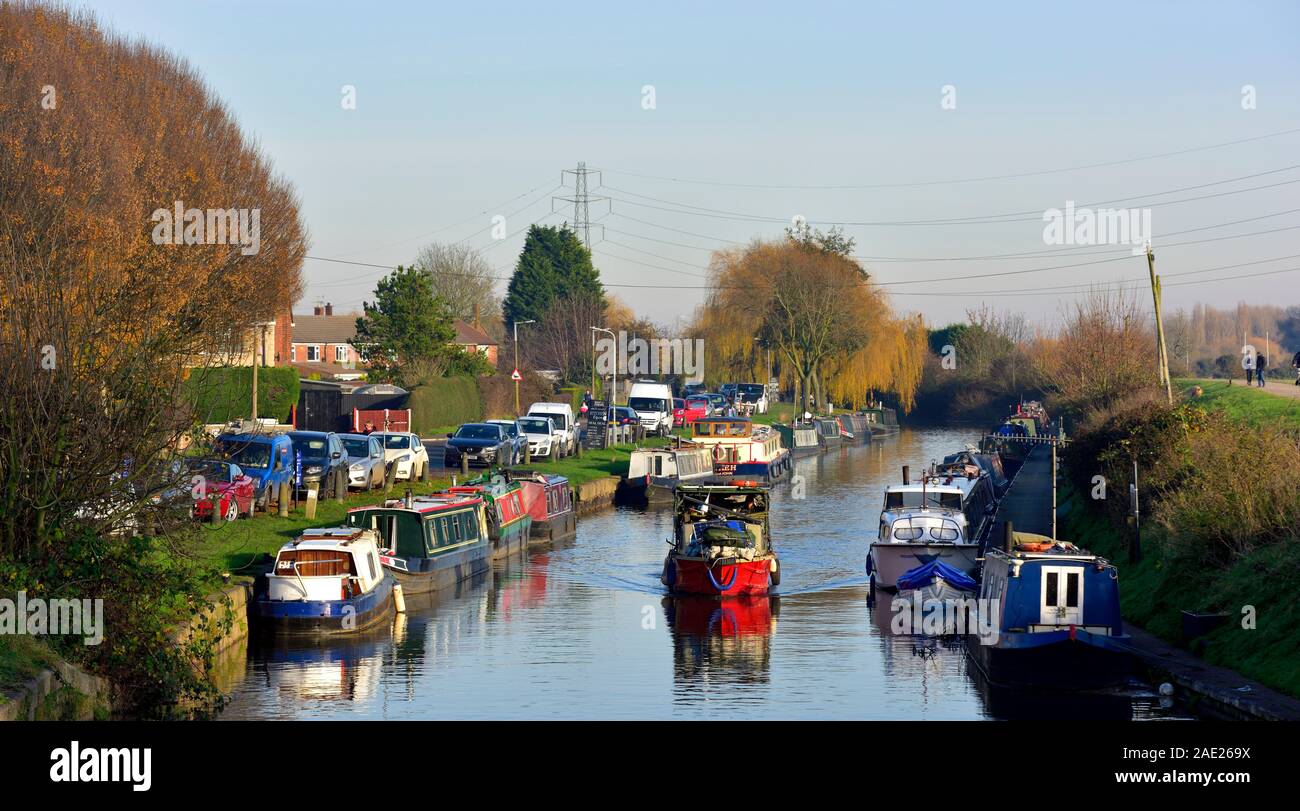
x: 464, y: 279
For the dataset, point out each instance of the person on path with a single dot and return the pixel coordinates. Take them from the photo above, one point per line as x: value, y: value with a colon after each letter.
x: 1295, y: 364
x: 1259, y: 370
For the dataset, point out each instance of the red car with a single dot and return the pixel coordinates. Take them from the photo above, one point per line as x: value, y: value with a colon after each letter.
x: 690, y: 410
x: 223, y: 486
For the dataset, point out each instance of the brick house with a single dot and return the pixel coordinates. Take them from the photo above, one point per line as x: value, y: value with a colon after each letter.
x: 321, y: 344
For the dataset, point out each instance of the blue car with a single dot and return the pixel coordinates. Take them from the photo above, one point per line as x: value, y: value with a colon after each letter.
x: 267, y: 458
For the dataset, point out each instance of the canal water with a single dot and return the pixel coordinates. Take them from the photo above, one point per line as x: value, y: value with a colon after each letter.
x: 583, y: 630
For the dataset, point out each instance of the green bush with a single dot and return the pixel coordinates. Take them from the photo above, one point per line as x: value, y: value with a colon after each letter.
x: 574, y: 396
x: 223, y: 394
x: 446, y: 401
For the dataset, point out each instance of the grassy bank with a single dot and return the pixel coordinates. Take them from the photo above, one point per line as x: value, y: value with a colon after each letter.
x: 1252, y: 406
x: 597, y: 464
x: 1155, y: 590
x: 21, y: 658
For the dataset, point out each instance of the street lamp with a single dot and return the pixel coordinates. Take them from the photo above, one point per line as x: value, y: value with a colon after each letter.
x: 516, y: 330
x: 614, y: 398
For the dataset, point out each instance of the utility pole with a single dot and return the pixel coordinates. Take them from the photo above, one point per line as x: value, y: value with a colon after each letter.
x: 516, y: 329
x: 581, y: 200
x: 1163, y: 358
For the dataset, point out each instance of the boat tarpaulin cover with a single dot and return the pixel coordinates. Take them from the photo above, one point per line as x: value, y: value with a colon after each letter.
x: 922, y: 575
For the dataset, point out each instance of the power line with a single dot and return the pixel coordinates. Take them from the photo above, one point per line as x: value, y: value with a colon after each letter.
x: 978, y: 179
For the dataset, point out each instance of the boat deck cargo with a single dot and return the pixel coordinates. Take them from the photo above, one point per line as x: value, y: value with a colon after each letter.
x: 721, y: 541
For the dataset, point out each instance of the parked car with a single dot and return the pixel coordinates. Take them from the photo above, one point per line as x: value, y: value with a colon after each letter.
x: 566, y: 429
x: 366, y: 464
x: 225, y: 490
x: 691, y: 389
x: 324, y: 462
x: 622, y: 415
x: 481, y: 442
x: 406, y: 453
x: 717, y: 404
x: 695, y: 408
x: 751, y: 396
x: 653, y: 403
x: 267, y: 458
x: 540, y: 432
x: 518, y: 440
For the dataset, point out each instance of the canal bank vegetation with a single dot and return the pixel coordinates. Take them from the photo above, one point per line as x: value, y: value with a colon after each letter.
x: 1220, y: 523
x: 803, y: 308
x: 1247, y: 404
x: 105, y: 318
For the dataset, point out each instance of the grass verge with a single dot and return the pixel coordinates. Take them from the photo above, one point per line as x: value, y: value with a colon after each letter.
x: 1243, y: 403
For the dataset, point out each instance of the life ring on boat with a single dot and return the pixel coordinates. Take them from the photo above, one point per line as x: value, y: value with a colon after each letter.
x: 718, y: 453
x: 1033, y: 547
x: 743, y: 483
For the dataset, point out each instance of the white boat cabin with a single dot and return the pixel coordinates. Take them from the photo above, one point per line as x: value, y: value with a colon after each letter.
x: 682, y: 464
x: 337, y: 563
x: 733, y: 441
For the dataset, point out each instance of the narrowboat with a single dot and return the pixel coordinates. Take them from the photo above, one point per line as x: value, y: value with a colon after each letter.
x: 548, y: 499
x: 858, y: 426
x: 990, y: 463
x: 509, y: 523
x: 882, y: 420
x: 429, y: 542
x: 828, y: 431
x: 978, y: 502
x: 721, y: 543
x: 326, y: 581
x: 741, y: 449
x: 652, y: 473
x: 801, y: 438
x: 1056, y: 613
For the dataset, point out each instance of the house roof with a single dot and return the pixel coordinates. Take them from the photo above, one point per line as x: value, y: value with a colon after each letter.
x: 324, y: 329
x: 469, y: 334
x: 341, y: 329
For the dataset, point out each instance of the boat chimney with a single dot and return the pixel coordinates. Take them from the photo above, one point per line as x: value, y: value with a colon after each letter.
x: 1009, y: 540
x: 410, y: 500
x: 906, y: 477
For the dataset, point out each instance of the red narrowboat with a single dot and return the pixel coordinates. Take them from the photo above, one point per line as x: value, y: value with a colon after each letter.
x: 721, y: 544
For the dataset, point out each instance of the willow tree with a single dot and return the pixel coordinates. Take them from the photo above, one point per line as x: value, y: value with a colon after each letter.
x: 816, y: 309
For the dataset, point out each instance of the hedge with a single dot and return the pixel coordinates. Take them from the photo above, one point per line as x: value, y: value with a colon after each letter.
x: 219, y: 395
x: 446, y: 402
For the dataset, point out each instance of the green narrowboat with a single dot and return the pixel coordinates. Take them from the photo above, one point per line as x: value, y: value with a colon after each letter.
x: 429, y: 542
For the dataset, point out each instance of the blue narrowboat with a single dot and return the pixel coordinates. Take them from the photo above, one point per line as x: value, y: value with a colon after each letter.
x: 326, y: 581
x: 429, y: 542
x: 1055, y: 618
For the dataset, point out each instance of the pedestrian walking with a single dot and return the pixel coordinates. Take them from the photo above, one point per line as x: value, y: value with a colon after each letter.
x: 1259, y: 370
x: 1295, y: 364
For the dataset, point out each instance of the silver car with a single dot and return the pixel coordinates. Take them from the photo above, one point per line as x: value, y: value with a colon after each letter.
x: 366, y: 463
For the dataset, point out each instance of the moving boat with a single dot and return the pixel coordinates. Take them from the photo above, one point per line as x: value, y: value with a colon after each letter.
x: 509, y: 524
x: 652, y: 473
x: 429, y: 542
x: 1056, y: 611
x: 721, y: 544
x: 742, y: 449
x: 326, y: 581
x: 548, y: 498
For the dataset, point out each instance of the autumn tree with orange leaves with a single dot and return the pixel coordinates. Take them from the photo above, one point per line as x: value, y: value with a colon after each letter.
x: 101, y: 319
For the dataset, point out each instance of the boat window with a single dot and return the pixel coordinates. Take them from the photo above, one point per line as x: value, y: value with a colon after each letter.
x: 430, y: 535
x: 457, y: 531
x: 943, y: 533
x: 659, y: 465
x: 1052, y: 598
x: 314, y: 563
x: 471, y: 526
x: 1072, y: 590
x: 374, y: 575
x: 907, y: 533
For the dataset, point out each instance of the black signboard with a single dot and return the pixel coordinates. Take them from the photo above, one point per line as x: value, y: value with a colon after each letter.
x: 597, y: 420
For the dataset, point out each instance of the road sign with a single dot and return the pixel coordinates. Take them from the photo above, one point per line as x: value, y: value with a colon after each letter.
x: 516, y: 376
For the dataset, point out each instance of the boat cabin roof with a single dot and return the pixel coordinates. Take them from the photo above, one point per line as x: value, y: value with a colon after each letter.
x: 931, y: 487
x: 329, y: 538
x: 722, y: 427
x: 431, y: 503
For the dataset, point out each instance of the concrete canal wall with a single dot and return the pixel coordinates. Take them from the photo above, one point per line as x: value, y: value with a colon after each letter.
x: 63, y: 692
x: 596, y: 495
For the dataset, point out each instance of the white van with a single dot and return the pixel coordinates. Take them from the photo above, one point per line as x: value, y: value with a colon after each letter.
x: 653, y: 404
x: 566, y: 428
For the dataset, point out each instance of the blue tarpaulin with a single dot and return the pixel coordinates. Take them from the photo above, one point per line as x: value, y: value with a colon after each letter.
x: 922, y: 575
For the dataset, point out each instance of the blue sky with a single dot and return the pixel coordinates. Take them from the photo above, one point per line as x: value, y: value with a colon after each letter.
x: 469, y: 110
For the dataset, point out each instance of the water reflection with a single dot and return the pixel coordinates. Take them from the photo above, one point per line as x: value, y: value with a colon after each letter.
x: 720, y: 644
x: 582, y: 628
